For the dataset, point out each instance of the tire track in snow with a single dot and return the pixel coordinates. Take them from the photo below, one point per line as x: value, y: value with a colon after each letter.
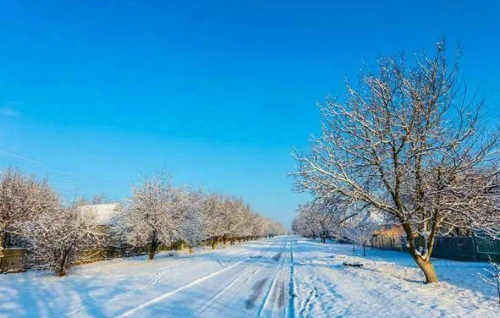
x: 225, y: 289
x: 243, y: 258
x: 291, y: 285
x: 182, y: 288
x: 270, y: 292
x: 177, y: 290
x: 239, y: 278
x: 155, y: 279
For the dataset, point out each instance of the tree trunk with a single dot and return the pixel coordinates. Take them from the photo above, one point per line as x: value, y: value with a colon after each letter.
x: 61, y: 267
x: 152, y: 249
x: 214, y: 243
x: 3, y: 238
x: 364, y: 250
x: 428, y: 269
x: 60, y: 272
x: 424, y: 264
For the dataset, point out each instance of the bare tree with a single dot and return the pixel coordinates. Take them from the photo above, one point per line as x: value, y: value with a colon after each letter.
x: 402, y: 142
x: 21, y: 199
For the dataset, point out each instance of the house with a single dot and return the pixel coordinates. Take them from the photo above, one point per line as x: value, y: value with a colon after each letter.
x: 104, y: 214
x: 391, y: 237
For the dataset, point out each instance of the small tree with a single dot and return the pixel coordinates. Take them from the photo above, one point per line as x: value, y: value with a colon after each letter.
x: 193, y: 221
x: 21, y: 199
x: 360, y: 229
x: 215, y: 216
x: 58, y: 236
x: 154, y: 215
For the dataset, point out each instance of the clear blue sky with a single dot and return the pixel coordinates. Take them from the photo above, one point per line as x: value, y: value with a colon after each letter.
x: 94, y: 94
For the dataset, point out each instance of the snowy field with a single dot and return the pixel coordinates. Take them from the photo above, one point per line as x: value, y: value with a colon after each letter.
x: 253, y: 280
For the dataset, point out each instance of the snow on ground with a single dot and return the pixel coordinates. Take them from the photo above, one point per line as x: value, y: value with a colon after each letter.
x: 286, y: 276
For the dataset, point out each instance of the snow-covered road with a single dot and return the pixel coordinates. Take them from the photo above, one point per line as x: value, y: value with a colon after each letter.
x: 282, y: 277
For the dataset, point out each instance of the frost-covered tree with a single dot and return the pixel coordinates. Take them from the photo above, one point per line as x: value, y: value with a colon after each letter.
x: 160, y: 214
x: 306, y: 223
x: 58, y: 236
x: 154, y: 215
x: 360, y: 229
x: 238, y: 213
x: 21, y: 199
x: 228, y: 218
x: 192, y: 229
x: 215, y: 216
x: 321, y: 217
x: 403, y: 142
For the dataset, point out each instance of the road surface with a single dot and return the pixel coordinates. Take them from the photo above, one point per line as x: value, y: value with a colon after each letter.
x: 285, y: 277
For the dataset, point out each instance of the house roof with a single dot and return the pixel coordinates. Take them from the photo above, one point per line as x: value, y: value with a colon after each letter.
x: 391, y: 231
x: 103, y: 213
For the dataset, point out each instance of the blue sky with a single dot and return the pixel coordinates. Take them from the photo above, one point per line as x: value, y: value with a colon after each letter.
x: 95, y: 94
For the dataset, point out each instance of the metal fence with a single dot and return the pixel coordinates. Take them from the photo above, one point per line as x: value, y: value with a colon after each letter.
x: 456, y: 248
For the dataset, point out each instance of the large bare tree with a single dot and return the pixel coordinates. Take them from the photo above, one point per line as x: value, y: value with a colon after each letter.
x: 406, y: 142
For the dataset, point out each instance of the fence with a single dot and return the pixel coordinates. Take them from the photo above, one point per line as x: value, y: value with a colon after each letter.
x: 387, y: 243
x: 456, y: 248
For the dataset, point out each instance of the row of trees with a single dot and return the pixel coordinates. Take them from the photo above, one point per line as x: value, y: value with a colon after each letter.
x: 157, y: 214
x: 160, y: 214
x: 324, y: 219
x: 407, y: 142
